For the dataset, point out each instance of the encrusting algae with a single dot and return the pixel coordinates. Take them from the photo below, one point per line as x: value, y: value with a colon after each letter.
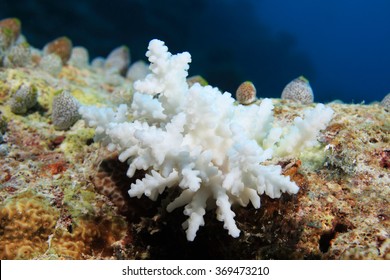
x: 64, y: 196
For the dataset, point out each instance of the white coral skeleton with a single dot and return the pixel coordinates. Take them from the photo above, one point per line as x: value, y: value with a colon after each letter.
x: 197, y: 139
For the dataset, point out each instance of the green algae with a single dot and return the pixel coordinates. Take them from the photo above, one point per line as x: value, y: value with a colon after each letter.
x: 76, y: 140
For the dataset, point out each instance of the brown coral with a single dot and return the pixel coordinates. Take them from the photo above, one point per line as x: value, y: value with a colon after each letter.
x: 246, y: 93
x: 13, y: 24
x: 9, y: 31
x: 110, y: 181
x: 27, y: 220
x: 61, y: 46
x: 92, y: 236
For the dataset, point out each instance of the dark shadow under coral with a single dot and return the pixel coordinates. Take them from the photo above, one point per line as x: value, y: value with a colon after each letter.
x: 269, y: 232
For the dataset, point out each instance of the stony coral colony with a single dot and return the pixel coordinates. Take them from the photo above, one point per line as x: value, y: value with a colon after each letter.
x: 178, y: 135
x: 198, y: 139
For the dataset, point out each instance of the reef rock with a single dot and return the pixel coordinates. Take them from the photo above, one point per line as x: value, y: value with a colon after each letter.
x: 65, y: 196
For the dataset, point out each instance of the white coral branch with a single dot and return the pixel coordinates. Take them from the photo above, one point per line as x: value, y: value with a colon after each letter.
x: 305, y: 131
x: 152, y: 185
x: 224, y: 213
x: 196, y: 139
x: 196, y: 210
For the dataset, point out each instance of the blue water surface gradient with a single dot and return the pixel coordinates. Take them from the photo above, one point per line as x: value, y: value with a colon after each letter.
x: 342, y: 47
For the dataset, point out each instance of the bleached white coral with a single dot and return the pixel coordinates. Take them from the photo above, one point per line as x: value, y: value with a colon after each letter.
x: 198, y: 140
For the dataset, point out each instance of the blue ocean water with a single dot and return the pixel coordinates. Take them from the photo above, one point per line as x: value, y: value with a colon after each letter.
x: 347, y: 42
x: 342, y: 47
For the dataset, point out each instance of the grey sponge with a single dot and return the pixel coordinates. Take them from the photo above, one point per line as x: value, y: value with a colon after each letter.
x: 64, y: 110
x: 23, y: 99
x: 299, y: 90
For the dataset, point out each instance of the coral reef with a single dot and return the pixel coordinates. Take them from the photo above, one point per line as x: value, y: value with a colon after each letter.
x: 77, y: 191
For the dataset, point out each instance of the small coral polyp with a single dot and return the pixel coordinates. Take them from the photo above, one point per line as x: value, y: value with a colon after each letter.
x: 196, y: 139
